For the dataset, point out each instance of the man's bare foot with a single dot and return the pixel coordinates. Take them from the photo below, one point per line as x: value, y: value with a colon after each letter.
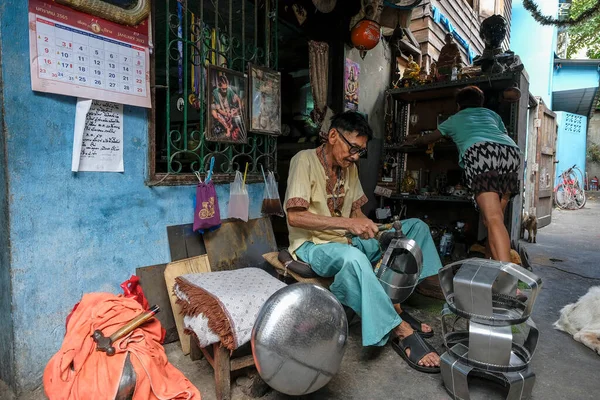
x: 424, y: 327
x: 429, y: 360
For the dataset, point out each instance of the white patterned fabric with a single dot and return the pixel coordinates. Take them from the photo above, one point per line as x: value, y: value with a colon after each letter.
x: 224, y: 305
x: 199, y: 325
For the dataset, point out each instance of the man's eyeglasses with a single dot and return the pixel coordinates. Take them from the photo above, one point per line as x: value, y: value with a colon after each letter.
x: 353, y: 149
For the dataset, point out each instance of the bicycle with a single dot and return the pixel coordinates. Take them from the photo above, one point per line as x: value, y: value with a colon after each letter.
x: 569, y: 194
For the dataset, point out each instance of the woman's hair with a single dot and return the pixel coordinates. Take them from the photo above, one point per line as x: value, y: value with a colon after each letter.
x: 470, y: 97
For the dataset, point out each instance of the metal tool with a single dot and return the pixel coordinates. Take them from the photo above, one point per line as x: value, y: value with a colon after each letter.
x: 105, y: 343
x: 380, y: 227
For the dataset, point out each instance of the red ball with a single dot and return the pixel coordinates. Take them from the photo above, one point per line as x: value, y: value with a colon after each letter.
x: 366, y: 34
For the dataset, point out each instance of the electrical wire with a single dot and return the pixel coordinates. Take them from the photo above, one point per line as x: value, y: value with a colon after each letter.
x: 568, y: 272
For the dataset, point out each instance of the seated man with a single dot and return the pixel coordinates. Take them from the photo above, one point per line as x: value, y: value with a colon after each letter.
x: 323, y: 202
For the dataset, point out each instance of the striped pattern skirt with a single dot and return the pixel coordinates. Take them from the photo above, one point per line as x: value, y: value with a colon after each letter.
x: 492, y: 167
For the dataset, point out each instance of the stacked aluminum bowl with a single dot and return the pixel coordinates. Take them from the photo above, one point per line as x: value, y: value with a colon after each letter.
x: 482, y: 293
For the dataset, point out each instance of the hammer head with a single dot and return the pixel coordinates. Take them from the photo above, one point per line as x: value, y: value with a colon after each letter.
x: 397, y: 225
x: 103, y: 343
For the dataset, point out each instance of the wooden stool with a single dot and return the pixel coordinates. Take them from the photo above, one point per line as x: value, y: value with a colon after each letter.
x: 272, y: 259
x: 223, y: 363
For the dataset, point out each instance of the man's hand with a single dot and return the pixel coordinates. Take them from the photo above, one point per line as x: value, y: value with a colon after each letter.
x: 412, y: 140
x: 362, y: 227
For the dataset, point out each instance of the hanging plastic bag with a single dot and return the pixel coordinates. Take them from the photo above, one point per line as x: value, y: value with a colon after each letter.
x: 206, y: 210
x: 238, y: 198
x: 271, y: 203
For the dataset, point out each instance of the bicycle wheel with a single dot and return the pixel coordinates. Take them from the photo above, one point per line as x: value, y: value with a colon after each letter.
x: 579, y: 196
x: 562, y: 197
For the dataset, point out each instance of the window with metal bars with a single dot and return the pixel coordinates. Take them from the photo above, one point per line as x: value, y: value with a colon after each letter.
x: 188, y: 35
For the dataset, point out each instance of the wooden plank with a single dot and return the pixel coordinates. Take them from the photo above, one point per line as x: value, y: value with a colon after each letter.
x: 237, y: 244
x: 417, y: 25
x: 176, y: 236
x: 545, y: 156
x: 548, y: 151
x: 152, y: 279
x: 174, y: 269
x: 195, y: 350
x: 194, y: 242
x: 242, y: 362
x: 209, y: 356
x: 465, y: 23
x: 222, y: 372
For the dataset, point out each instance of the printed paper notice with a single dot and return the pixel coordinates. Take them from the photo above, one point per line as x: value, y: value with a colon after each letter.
x: 98, y: 141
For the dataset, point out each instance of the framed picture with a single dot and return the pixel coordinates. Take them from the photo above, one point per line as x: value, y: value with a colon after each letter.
x: 226, y: 106
x: 265, y: 100
x: 351, y: 86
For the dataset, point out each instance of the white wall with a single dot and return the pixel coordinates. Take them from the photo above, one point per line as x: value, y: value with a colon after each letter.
x: 374, y: 79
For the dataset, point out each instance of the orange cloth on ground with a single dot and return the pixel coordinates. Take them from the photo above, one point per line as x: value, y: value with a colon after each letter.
x: 79, y: 372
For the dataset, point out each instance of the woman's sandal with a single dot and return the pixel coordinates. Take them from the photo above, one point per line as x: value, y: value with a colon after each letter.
x: 419, y: 348
x: 415, y: 324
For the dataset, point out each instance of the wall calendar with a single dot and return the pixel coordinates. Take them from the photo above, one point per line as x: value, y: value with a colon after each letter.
x: 77, y: 54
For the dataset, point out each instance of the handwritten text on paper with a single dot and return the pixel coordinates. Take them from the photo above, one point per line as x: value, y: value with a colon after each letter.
x: 101, y: 140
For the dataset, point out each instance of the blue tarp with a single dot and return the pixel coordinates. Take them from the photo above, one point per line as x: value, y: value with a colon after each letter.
x: 440, y: 18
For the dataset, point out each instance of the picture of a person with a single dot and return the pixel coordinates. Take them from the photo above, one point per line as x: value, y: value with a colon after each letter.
x: 226, y: 109
x: 352, y: 87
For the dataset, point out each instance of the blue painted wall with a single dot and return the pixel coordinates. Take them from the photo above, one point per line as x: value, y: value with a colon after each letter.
x: 571, y: 141
x: 6, y: 333
x: 571, y: 77
x: 535, y: 44
x: 72, y: 233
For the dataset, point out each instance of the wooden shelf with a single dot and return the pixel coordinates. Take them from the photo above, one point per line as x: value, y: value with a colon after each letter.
x: 418, y: 149
x: 440, y: 198
x: 448, y: 89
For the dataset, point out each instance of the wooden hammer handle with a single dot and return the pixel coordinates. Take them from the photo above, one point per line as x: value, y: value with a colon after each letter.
x: 134, y: 323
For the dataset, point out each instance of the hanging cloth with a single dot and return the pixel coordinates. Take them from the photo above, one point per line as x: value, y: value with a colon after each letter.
x: 318, y: 60
x: 206, y: 211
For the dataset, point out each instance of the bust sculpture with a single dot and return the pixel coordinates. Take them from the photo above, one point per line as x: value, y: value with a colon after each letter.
x: 494, y: 60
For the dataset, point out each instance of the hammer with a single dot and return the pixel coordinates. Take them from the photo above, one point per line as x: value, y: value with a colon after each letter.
x: 380, y: 227
x: 105, y: 343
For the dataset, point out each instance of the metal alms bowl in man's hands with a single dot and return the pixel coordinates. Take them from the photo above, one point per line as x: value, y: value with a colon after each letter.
x: 401, y: 264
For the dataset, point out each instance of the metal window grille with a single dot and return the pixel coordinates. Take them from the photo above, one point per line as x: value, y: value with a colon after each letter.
x: 188, y: 36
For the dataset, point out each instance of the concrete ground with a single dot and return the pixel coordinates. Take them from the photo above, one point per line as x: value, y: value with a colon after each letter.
x: 566, y: 259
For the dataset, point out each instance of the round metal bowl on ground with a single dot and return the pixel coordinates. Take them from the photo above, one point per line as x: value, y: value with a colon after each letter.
x: 299, y: 339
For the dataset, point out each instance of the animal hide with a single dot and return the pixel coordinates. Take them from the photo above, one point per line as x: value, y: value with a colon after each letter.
x: 582, y: 319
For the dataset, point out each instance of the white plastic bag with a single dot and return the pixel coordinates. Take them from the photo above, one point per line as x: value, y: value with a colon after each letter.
x: 238, y: 198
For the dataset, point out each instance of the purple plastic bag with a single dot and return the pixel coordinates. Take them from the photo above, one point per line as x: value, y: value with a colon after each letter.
x: 206, y: 213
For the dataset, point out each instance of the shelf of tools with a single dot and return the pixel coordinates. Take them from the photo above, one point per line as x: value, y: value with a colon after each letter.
x: 426, y: 182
